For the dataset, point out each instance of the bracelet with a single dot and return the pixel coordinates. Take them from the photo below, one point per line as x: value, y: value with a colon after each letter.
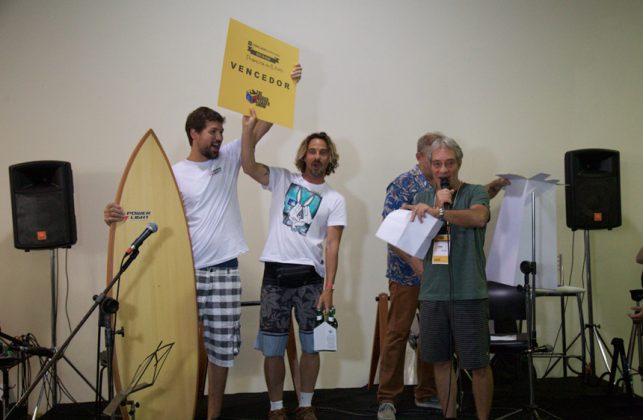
x: 441, y: 213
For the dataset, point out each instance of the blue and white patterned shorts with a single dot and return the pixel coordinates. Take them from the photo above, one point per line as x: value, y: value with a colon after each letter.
x: 300, y: 291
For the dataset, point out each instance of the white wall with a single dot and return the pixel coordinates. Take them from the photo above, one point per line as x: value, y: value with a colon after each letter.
x: 518, y: 83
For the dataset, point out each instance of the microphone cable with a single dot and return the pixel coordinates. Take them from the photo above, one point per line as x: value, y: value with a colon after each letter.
x: 67, y: 289
x: 452, y: 320
x: 451, y: 303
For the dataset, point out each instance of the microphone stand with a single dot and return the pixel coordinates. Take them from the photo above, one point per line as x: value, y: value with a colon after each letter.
x: 106, y: 320
x: 528, y: 269
x: 60, y: 352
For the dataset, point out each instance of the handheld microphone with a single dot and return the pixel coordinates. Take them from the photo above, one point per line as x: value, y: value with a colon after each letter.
x: 444, y: 184
x: 149, y: 229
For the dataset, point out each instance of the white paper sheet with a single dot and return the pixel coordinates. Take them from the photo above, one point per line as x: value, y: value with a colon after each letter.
x: 504, y: 337
x: 414, y: 238
x: 512, y: 239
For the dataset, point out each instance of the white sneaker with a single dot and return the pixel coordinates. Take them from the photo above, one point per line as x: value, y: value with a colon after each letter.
x: 386, y: 411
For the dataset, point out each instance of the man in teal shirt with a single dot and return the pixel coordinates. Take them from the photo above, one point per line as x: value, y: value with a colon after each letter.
x: 453, y: 295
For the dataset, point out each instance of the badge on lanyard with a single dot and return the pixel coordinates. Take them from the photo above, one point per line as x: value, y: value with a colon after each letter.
x: 440, y: 250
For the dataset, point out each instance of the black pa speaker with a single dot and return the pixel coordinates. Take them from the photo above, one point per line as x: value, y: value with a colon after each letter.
x: 42, y: 205
x: 593, y: 189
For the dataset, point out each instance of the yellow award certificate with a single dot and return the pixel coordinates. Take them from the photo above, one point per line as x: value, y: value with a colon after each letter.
x: 256, y: 72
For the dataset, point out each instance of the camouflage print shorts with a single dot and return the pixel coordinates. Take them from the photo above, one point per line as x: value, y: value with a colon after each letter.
x: 278, y: 301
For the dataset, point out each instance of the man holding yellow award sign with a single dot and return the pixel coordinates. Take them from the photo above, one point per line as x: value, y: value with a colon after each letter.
x: 258, y: 70
x: 307, y: 219
x: 207, y: 180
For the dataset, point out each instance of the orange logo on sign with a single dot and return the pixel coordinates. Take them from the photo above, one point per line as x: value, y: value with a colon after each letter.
x: 598, y: 217
x: 41, y: 235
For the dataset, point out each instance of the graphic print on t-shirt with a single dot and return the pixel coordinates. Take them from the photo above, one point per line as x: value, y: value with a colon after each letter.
x: 300, y: 207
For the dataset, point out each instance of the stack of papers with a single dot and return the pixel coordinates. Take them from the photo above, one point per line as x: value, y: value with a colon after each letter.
x: 414, y: 237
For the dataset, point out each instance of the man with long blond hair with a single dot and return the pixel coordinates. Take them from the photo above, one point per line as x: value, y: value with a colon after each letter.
x: 307, y: 218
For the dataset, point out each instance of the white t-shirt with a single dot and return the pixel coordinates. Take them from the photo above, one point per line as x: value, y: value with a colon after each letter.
x: 209, y: 192
x: 300, y: 213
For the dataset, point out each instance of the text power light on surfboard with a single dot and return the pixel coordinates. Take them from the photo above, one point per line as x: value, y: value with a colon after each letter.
x: 149, y: 229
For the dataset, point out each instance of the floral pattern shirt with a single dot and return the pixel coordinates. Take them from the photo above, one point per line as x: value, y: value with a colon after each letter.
x: 399, y: 192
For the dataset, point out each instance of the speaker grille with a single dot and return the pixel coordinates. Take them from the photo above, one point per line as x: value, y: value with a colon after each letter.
x: 42, y: 205
x: 592, y: 191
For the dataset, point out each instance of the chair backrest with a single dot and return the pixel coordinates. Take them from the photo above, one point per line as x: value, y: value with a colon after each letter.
x: 506, y: 302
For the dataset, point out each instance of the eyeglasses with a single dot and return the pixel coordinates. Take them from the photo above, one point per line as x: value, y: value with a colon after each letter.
x: 449, y: 164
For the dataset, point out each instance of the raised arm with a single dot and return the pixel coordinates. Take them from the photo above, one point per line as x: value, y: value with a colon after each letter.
x: 333, y: 238
x: 494, y: 187
x: 257, y: 171
x: 262, y: 127
x: 253, y: 129
x: 476, y: 216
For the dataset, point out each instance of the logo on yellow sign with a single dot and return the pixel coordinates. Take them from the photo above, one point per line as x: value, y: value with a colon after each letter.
x: 256, y: 97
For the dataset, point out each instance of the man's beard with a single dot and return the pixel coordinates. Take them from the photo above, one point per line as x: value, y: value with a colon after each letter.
x: 317, y: 169
x: 209, y: 153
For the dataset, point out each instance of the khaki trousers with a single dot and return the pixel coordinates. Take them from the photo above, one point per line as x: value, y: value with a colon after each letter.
x: 402, y: 308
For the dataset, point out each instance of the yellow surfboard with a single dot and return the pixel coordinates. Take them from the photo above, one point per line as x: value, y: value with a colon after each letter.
x: 157, y: 293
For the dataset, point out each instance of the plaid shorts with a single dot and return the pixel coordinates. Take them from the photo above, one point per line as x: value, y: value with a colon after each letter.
x: 463, y: 328
x: 219, y: 302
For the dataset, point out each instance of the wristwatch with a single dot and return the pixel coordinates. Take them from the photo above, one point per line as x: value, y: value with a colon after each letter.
x: 441, y: 213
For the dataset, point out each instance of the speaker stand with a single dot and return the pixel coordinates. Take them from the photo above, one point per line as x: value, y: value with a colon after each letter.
x: 59, y: 352
x: 593, y: 328
x: 53, y: 374
x: 53, y: 264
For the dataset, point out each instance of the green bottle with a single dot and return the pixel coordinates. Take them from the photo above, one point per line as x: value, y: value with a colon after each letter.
x: 331, y: 318
x: 319, y: 317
